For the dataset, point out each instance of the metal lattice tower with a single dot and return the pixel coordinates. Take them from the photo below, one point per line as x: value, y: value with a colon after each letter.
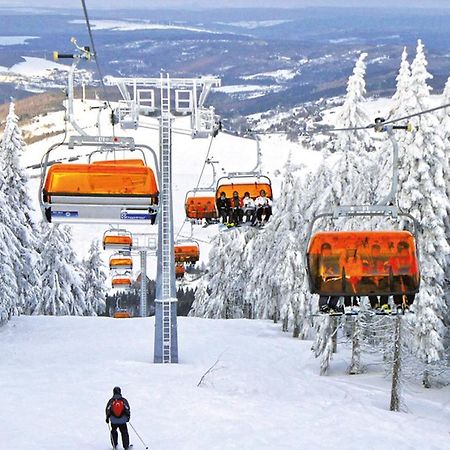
x: 187, y: 99
x: 166, y: 343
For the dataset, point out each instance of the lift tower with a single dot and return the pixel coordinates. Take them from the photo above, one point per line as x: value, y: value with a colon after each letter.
x: 187, y: 96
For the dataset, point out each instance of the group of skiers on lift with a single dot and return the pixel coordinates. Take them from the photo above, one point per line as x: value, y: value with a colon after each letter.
x: 375, y: 273
x: 234, y: 210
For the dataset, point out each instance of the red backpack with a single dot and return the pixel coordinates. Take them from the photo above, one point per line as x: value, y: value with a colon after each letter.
x: 117, y: 407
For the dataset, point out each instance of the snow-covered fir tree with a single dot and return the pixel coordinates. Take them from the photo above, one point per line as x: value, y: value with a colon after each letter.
x: 352, y: 183
x: 62, y: 292
x: 352, y: 113
x: 423, y: 193
x: 94, y: 278
x: 14, y: 188
x: 9, y: 254
x: 445, y: 123
x: 201, y: 299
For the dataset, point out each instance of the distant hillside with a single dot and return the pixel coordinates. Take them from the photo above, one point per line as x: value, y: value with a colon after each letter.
x: 33, y: 106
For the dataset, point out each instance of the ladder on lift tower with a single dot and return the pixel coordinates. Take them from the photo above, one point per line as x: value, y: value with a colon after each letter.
x: 167, y: 251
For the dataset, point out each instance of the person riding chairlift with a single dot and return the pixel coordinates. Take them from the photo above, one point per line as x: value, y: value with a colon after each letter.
x: 236, y: 210
x: 263, y: 206
x: 329, y: 274
x: 223, y: 207
x: 248, y: 205
x: 403, y: 269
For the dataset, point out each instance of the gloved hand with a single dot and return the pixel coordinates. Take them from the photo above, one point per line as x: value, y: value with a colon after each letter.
x: 107, y: 420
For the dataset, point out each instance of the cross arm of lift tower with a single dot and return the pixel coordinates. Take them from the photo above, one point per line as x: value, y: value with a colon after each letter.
x: 138, y: 97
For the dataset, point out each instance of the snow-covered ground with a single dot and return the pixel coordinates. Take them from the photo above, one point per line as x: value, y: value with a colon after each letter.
x: 56, y: 374
x: 37, y: 74
x: 133, y: 25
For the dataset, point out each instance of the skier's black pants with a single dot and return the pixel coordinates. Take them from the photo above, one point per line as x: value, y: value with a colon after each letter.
x: 263, y: 210
x: 224, y: 213
x: 123, y: 431
x: 330, y: 300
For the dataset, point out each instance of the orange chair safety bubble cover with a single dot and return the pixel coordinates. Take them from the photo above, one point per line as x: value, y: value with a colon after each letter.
x: 100, y: 179
x: 363, y: 263
x: 186, y: 253
x: 203, y: 207
x: 117, y: 241
x: 253, y: 189
x: 122, y: 315
x: 121, y: 281
x: 121, y: 162
x: 121, y: 262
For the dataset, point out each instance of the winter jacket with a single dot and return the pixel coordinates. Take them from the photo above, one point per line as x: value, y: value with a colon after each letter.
x: 248, y: 202
x: 125, y: 417
x: 235, y: 202
x: 263, y: 201
x: 222, y: 203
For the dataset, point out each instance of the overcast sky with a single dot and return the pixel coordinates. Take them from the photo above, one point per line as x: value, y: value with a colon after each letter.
x: 188, y: 4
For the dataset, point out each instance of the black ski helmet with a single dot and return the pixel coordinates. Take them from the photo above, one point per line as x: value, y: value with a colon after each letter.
x: 117, y: 391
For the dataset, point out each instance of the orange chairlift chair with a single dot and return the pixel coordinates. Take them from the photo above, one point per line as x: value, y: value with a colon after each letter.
x: 117, y: 239
x: 188, y: 252
x: 117, y: 190
x: 253, y: 184
x: 122, y: 281
x: 366, y: 262
x: 200, y: 204
x: 120, y: 261
x: 363, y: 263
x: 122, y: 314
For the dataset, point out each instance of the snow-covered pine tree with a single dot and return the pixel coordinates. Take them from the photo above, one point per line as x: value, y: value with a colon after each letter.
x: 403, y: 103
x: 9, y: 255
x: 94, y: 277
x: 445, y: 123
x: 403, y: 98
x: 355, y: 171
x: 16, y: 194
x: 423, y: 193
x: 62, y: 292
x: 201, y: 299
x: 227, y: 275
x: 352, y: 113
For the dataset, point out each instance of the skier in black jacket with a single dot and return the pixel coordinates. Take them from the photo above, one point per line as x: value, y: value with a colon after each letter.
x: 223, y: 207
x: 118, y: 413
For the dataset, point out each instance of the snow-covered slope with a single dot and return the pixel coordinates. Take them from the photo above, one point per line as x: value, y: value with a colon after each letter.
x: 56, y: 374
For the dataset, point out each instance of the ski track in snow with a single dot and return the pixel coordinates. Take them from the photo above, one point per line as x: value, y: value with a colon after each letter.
x: 56, y: 374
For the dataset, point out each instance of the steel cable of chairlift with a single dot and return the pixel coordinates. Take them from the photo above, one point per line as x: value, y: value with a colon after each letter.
x: 367, y: 127
x: 94, y: 51
x: 199, y: 179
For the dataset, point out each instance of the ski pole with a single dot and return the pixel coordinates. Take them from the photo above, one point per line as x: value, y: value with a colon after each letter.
x: 110, y: 434
x: 137, y: 434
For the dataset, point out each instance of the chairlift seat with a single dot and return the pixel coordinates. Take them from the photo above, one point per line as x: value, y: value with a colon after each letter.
x: 117, y: 240
x: 201, y: 207
x: 104, y: 191
x: 122, y: 314
x: 362, y: 263
x: 187, y: 253
x: 121, y: 282
x: 121, y: 162
x: 242, y: 184
x: 120, y: 262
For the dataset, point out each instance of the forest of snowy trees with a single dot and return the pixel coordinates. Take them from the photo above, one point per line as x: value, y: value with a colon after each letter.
x: 262, y: 274
x: 39, y: 270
